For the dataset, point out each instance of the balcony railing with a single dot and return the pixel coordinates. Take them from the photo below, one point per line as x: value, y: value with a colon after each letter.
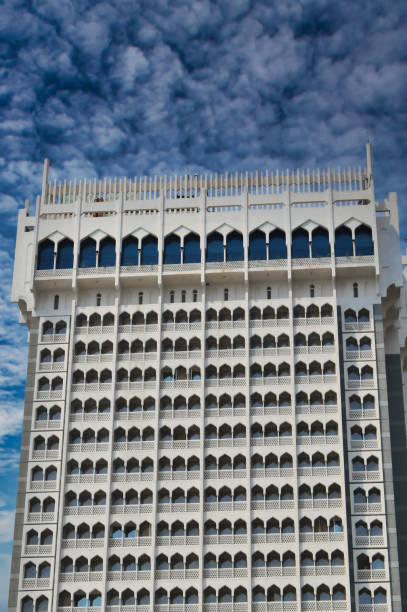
x: 272, y: 441
x: 53, y: 337
x: 49, y: 394
x: 273, y: 538
x: 132, y: 509
x: 94, y: 329
x: 313, y: 321
x: 316, y: 440
x: 322, y: 536
x: 271, y: 572
x: 312, y: 350
x: 364, y: 443
x: 271, y: 473
x: 316, y: 379
x: 179, y: 414
x: 80, y: 576
x: 35, y: 583
x: 129, y: 542
x: 224, y: 474
x: 51, y: 366
x: 225, y: 539
x: 371, y: 574
x: 366, y: 475
x: 181, y: 475
x: 357, y: 325
x: 184, y: 540
x: 86, y: 387
x: 267, y: 380
x: 352, y: 355
x: 324, y: 502
x: 88, y: 447
x: 98, y: 358
x: 133, y: 477
x: 129, y: 575
x: 44, y: 455
x: 368, y: 383
x: 325, y: 470
x: 368, y: 508
x: 40, y: 517
x: 137, y: 329
x: 369, y: 540
x: 83, y: 543
x: 38, y: 549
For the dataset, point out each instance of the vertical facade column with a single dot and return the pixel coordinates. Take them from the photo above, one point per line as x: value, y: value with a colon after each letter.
x: 293, y: 421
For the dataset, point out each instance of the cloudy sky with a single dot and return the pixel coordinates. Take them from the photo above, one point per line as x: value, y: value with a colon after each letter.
x: 131, y: 87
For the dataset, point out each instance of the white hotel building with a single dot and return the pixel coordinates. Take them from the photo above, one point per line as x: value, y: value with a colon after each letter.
x: 214, y: 415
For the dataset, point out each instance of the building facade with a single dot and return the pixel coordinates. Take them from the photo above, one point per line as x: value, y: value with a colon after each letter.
x: 214, y: 412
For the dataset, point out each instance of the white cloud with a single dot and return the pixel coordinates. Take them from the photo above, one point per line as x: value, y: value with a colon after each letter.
x: 11, y: 417
x: 6, y: 525
x: 4, y: 579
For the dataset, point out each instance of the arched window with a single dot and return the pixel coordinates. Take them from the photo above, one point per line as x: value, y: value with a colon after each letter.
x: 225, y: 295
x: 129, y: 251
x: 56, y: 302
x: 45, y: 259
x: 192, y: 248
x: 363, y: 241
x: 277, y: 245
x: 65, y: 254
x: 355, y: 290
x: 107, y: 252
x: 320, y: 243
x: 300, y: 244
x: 234, y: 247
x: 87, y: 253
x: 172, y: 249
x: 214, y: 247
x: 149, y: 251
x: 343, y: 242
x: 98, y: 299
x: 268, y: 293
x: 27, y: 603
x: 257, y: 246
x: 140, y: 297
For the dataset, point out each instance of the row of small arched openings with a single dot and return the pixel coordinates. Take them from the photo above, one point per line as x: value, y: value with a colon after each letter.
x: 262, y: 246
x: 178, y: 463
x: 319, y: 524
x: 223, y: 595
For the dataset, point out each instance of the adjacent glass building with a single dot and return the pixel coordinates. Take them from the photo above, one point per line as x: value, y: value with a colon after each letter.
x: 214, y: 415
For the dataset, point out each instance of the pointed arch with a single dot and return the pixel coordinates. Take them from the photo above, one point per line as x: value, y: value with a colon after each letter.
x: 129, y: 256
x: 45, y: 258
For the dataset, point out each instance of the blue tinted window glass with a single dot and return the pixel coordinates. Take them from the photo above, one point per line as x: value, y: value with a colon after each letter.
x: 107, y: 252
x: 87, y: 254
x: 45, y: 255
x: 257, y: 246
x: 149, y: 251
x: 129, y: 251
x: 234, y: 247
x: 300, y: 244
x: 320, y: 243
x: 172, y: 249
x: 277, y: 245
x: 65, y: 254
x: 192, y: 249
x: 363, y: 241
x: 214, y: 247
x: 343, y: 242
